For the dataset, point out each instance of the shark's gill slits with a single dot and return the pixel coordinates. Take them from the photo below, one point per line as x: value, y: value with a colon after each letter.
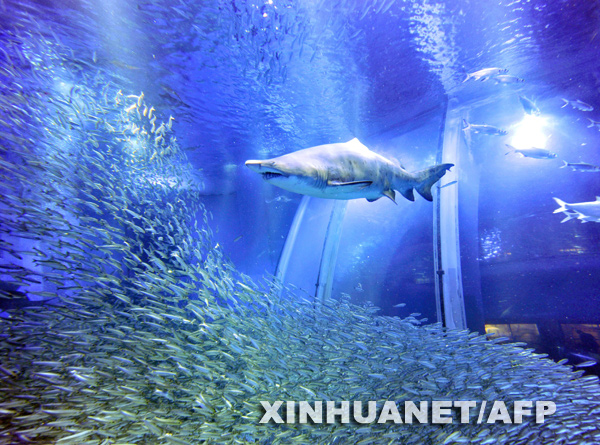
x: 321, y: 182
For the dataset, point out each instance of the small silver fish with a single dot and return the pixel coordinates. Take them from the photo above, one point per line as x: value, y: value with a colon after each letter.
x: 581, y: 166
x: 583, y: 211
x: 506, y: 79
x: 593, y: 123
x: 529, y: 106
x: 533, y: 152
x: 577, y: 105
x: 485, y: 74
x: 483, y: 129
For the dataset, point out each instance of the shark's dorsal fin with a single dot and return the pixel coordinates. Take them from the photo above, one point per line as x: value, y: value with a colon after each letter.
x: 355, y: 143
x: 390, y: 194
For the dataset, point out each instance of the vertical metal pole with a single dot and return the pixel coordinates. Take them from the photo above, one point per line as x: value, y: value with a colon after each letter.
x: 284, y: 260
x: 452, y: 291
x: 437, y: 245
x: 330, y: 251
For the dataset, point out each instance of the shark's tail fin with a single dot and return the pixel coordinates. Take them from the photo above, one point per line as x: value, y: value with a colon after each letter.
x: 566, y: 102
x: 565, y: 164
x: 426, y: 178
x: 562, y: 204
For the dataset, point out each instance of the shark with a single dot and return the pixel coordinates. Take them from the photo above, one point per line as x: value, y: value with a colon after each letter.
x: 345, y: 171
x: 583, y: 211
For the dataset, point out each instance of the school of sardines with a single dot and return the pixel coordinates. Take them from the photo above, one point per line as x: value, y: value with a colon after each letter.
x: 144, y: 333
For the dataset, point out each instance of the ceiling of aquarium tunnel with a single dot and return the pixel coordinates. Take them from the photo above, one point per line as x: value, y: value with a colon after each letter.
x: 247, y: 79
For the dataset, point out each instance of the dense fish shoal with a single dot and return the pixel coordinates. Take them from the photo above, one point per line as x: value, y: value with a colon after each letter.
x: 143, y: 332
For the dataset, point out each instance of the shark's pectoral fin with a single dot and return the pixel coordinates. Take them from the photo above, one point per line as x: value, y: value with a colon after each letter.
x: 390, y: 194
x: 353, y: 186
x: 373, y: 200
x: 408, y: 194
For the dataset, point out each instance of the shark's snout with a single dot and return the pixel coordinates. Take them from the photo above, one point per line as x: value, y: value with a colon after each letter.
x: 255, y: 166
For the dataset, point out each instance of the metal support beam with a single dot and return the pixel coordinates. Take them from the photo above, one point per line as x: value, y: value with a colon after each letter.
x: 286, y: 253
x: 330, y: 251
x: 448, y: 266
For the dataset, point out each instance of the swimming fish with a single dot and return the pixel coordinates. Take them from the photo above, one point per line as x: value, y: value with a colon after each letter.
x: 581, y: 166
x: 529, y: 106
x: 483, y: 129
x: 533, y: 152
x: 485, y: 74
x: 583, y: 211
x: 158, y: 338
x: 346, y: 171
x: 577, y: 105
x: 593, y: 123
x: 506, y: 79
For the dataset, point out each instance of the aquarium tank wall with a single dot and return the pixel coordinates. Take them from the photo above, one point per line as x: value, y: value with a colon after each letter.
x: 210, y: 207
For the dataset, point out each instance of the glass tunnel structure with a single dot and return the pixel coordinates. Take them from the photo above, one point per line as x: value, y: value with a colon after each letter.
x: 479, y: 279
x: 156, y: 290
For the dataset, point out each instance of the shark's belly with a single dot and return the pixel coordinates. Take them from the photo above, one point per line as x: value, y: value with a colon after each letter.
x: 369, y: 192
x: 338, y: 192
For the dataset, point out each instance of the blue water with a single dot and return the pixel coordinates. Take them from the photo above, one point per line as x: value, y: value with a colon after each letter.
x: 154, y: 248
x: 254, y: 80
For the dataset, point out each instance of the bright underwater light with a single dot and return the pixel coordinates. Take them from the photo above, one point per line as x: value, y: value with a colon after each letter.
x: 530, y: 133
